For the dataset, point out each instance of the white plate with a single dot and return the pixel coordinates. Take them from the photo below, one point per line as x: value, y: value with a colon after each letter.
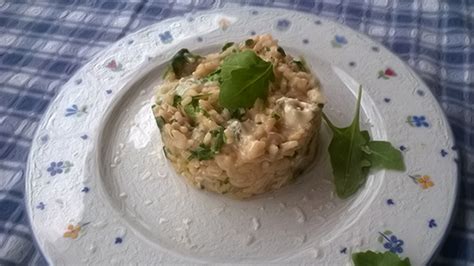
x: 100, y: 190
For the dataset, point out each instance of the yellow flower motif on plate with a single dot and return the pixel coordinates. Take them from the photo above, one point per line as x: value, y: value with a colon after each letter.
x: 72, y: 231
x: 425, y: 181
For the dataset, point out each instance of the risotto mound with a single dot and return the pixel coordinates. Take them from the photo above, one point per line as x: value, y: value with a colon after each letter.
x: 242, y: 121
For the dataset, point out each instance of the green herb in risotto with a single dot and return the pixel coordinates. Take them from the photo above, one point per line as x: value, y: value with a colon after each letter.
x: 227, y: 45
x: 184, y: 62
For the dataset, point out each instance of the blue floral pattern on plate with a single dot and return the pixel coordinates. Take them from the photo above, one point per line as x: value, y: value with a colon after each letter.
x: 417, y: 121
x: 59, y: 167
x: 283, y: 24
x: 40, y: 206
x: 166, y: 37
x: 75, y: 110
x: 391, y: 242
x: 338, y: 41
x: 443, y: 153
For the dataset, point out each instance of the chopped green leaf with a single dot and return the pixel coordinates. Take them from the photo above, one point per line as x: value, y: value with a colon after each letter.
x: 201, y: 96
x: 370, y: 258
x: 352, y: 154
x: 281, y: 51
x: 192, y: 108
x: 184, y: 63
x: 214, y: 76
x: 165, y: 151
x: 204, y: 112
x: 160, y: 122
x: 276, y: 116
x: 383, y: 155
x: 301, y: 64
x: 237, y: 113
x: 227, y: 45
x: 249, y: 43
x: 190, y: 111
x: 202, y: 152
x: 223, y: 182
x: 219, y: 139
x: 245, y: 77
x: 176, y: 100
x: 206, y: 152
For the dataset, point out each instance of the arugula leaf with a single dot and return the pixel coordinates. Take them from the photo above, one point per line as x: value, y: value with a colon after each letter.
x: 365, y: 134
x: 184, y: 63
x: 352, y: 155
x: 346, y: 155
x: 245, y: 77
x: 383, y: 155
x: 370, y: 258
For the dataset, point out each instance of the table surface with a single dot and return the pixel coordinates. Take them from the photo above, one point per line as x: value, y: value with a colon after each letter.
x: 42, y: 43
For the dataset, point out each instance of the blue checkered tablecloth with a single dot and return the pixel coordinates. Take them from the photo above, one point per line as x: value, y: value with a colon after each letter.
x: 42, y: 43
